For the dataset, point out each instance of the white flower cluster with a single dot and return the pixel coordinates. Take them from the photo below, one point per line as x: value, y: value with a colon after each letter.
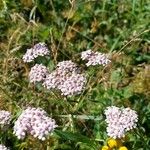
x: 53, y: 80
x: 73, y: 85
x: 66, y: 66
x: 120, y: 120
x: 37, y: 73
x: 34, y: 121
x: 3, y: 147
x: 66, y: 78
x: 5, y: 117
x: 94, y: 58
x: 39, y: 49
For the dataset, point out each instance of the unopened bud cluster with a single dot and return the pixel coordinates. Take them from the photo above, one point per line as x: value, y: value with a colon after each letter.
x: 5, y: 117
x: 34, y: 121
x: 66, y: 78
x: 94, y: 58
x: 39, y: 49
x: 119, y: 121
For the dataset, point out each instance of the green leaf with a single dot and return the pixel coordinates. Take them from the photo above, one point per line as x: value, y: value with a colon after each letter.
x: 75, y: 137
x: 86, y: 117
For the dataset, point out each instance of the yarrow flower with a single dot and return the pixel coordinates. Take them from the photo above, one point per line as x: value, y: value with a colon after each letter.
x: 94, y: 58
x: 130, y: 118
x: 37, y: 73
x: 54, y: 79
x: 120, y: 120
x: 39, y: 49
x: 66, y: 66
x: 66, y: 78
x: 34, y: 121
x: 73, y: 85
x: 3, y: 147
x: 51, y: 81
x: 5, y: 117
x: 28, y: 56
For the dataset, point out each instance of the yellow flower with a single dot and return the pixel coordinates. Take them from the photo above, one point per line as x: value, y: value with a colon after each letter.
x: 105, y: 148
x: 112, y: 143
x: 123, y: 148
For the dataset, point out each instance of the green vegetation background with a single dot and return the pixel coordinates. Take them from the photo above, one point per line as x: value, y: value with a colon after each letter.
x: 69, y: 27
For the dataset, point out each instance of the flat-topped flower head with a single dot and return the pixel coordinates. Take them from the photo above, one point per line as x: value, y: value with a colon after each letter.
x: 54, y: 79
x: 73, y: 85
x: 39, y: 49
x: 38, y: 73
x: 130, y: 118
x: 66, y: 78
x: 28, y: 56
x: 34, y: 121
x: 5, y: 117
x: 120, y: 120
x: 66, y: 66
x: 94, y: 58
x: 3, y: 147
x: 115, y: 131
x: 85, y: 55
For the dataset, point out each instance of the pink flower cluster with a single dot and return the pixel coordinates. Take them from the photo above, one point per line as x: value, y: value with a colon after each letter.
x: 34, y: 121
x: 5, y: 117
x: 66, y: 66
x: 66, y: 78
x: 39, y: 49
x: 3, y: 147
x: 94, y: 58
x: 73, y: 85
x: 119, y: 121
x: 37, y: 73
